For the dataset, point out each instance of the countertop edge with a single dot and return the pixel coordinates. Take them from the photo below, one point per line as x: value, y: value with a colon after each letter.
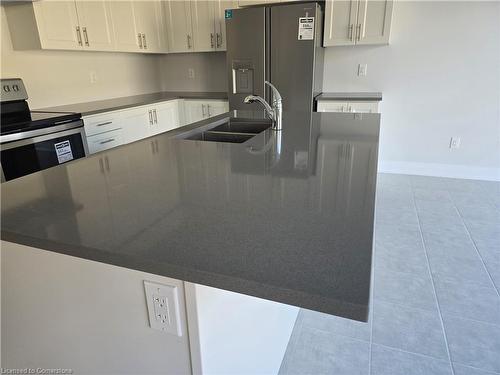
x: 353, y: 96
x: 233, y: 284
x: 163, y: 96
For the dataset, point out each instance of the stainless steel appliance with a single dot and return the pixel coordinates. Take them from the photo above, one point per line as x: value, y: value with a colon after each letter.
x: 279, y: 43
x: 34, y: 140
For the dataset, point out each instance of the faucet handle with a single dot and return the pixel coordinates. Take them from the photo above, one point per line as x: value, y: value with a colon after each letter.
x: 276, y: 93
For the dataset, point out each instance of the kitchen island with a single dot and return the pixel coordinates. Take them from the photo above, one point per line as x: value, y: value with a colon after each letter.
x: 285, y: 216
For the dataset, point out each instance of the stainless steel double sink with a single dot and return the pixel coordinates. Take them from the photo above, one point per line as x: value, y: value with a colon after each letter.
x: 232, y: 131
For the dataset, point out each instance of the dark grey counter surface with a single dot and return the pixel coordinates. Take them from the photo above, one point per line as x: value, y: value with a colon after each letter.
x: 99, y: 106
x: 286, y: 216
x: 354, y: 96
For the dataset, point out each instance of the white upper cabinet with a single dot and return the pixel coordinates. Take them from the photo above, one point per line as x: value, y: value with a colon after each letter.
x: 179, y: 26
x: 43, y: 24
x: 202, y: 16
x: 374, y: 21
x: 58, y: 24
x: 124, y: 26
x: 340, y: 22
x: 95, y: 24
x: 349, y: 22
x: 70, y: 25
x: 220, y: 7
x: 150, y: 26
x: 244, y: 3
x: 197, y: 25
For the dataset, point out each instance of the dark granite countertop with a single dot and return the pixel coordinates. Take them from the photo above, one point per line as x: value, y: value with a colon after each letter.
x: 99, y: 106
x: 286, y: 216
x: 354, y: 96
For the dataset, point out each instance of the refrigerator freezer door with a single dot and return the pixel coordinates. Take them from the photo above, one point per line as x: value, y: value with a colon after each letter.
x: 293, y: 59
x: 246, y: 55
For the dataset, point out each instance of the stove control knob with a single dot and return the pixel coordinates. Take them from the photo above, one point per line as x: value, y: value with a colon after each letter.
x: 6, y: 88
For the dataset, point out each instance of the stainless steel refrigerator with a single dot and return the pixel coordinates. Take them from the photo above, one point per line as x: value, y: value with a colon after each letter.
x: 279, y: 43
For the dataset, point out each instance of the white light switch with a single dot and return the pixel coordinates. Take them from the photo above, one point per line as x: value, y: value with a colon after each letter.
x: 454, y: 142
x: 362, y: 70
x: 163, y: 307
x: 191, y: 73
x: 93, y: 76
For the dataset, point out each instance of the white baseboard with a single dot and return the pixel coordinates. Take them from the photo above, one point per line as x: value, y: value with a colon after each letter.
x: 440, y: 170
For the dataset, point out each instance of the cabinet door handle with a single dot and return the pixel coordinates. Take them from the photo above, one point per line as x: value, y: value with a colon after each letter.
x: 139, y: 37
x: 79, y: 36
x: 144, y: 41
x: 358, y: 33
x: 155, y: 116
x: 203, y: 110
x: 212, y: 40
x: 208, y: 110
x: 150, y: 117
x: 106, y: 141
x: 219, y: 41
x: 106, y: 162
x: 189, y: 41
x: 101, y: 165
x: 104, y: 123
x: 86, y: 36
x: 350, y: 32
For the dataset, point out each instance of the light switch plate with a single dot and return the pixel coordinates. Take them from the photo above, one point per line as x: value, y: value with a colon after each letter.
x: 163, y: 307
x: 362, y: 68
x: 93, y: 76
x: 454, y: 142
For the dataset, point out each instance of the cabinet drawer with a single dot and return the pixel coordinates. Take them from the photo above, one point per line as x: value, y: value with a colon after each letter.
x: 344, y: 106
x: 105, y: 141
x: 101, y: 123
x: 332, y: 106
x: 363, y: 107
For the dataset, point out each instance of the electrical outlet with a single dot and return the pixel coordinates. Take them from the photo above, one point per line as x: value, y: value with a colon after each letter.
x: 163, y: 307
x: 362, y: 70
x: 191, y: 73
x: 454, y: 142
x: 93, y: 76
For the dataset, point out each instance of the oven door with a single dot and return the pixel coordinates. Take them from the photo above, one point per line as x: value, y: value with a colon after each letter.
x: 35, y: 154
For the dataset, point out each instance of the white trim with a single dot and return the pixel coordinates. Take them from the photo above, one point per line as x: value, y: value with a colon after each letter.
x: 440, y: 170
x: 193, y: 328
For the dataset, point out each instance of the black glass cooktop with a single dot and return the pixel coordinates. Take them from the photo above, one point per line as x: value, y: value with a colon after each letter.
x: 31, y: 120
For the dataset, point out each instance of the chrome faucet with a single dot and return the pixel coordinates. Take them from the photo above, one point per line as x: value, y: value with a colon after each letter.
x: 274, y: 112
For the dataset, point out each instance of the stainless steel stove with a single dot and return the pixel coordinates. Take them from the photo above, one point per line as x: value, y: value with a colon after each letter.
x: 34, y: 140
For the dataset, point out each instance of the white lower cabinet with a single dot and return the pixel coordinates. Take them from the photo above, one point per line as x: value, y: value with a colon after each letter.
x: 105, y: 141
x: 114, y: 128
x: 197, y: 109
x: 346, y: 106
x: 134, y: 122
x: 194, y: 110
x: 165, y: 117
x: 111, y: 129
x: 217, y: 107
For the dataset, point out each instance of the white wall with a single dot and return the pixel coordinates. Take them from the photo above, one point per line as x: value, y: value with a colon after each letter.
x: 209, y: 67
x: 60, y: 311
x: 62, y: 77
x: 440, y: 77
